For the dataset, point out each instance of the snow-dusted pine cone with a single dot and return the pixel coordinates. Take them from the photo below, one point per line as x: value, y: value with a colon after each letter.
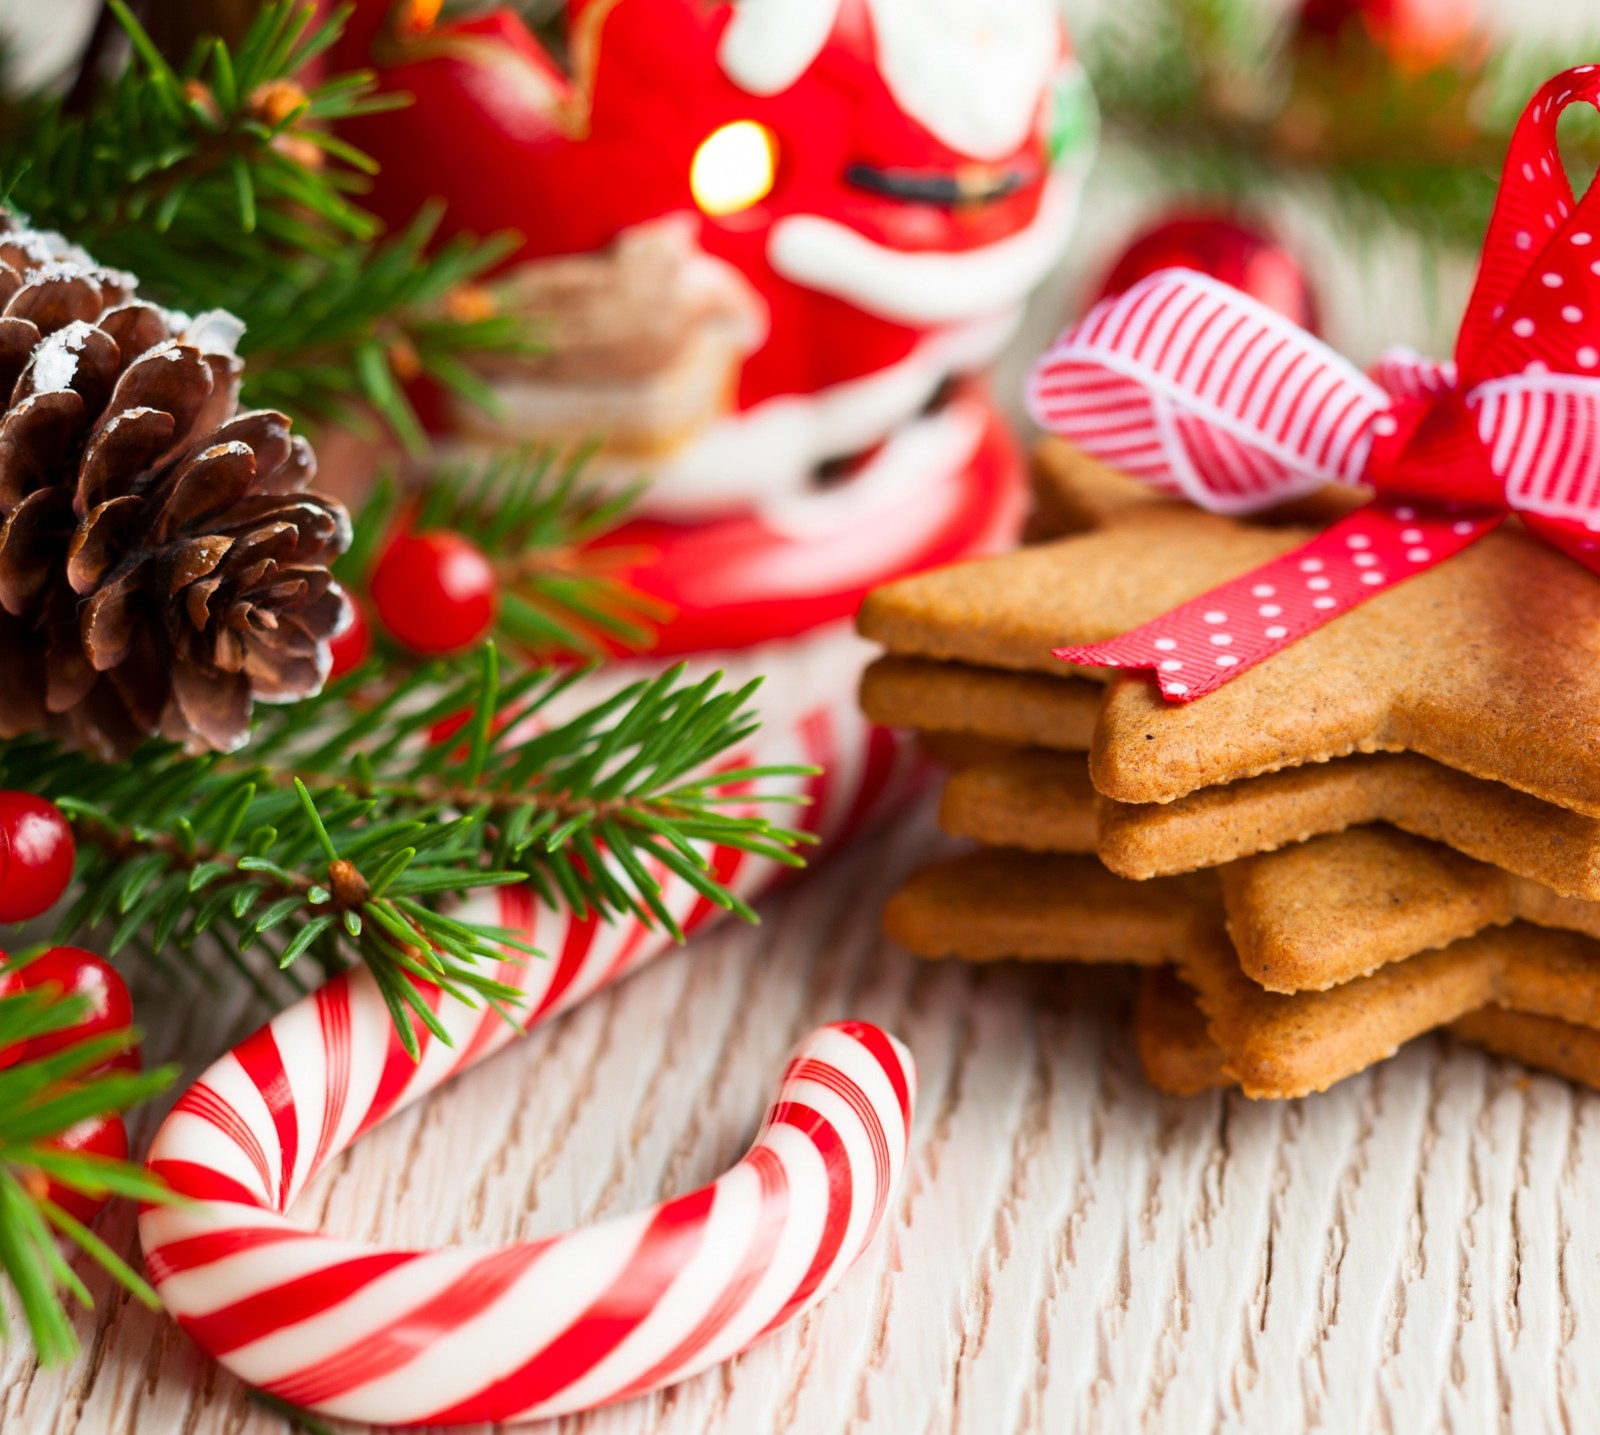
x: 163, y: 565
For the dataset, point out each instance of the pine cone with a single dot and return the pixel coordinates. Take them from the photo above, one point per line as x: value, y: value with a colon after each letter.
x: 162, y: 564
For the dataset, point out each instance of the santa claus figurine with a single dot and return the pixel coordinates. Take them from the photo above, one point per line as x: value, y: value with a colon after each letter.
x: 767, y: 242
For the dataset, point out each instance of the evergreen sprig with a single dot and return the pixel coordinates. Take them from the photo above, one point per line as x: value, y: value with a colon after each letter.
x: 222, y: 185
x: 353, y: 823
x: 40, y: 1099
x: 352, y: 820
x: 1211, y: 96
x: 534, y: 514
x: 354, y: 327
x: 222, y: 138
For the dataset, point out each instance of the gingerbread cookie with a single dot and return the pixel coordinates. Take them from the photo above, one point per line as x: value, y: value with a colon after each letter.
x: 1542, y: 1042
x: 1074, y: 493
x: 1279, y: 1046
x: 1010, y: 611
x: 1486, y: 820
x: 1313, y: 916
x: 1180, y: 1059
x: 1482, y: 819
x: 1012, y: 798
x: 1038, y: 801
x: 1489, y: 663
x: 1023, y: 708
x: 1176, y: 1051
x: 995, y: 904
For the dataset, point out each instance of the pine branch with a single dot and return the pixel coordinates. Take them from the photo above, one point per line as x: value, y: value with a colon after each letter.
x: 222, y: 185
x: 352, y: 328
x: 534, y: 515
x: 1208, y: 94
x: 356, y: 818
x: 40, y: 1099
x: 160, y: 140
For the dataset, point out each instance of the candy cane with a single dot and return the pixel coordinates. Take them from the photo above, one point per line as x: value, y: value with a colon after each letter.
x: 545, y: 1327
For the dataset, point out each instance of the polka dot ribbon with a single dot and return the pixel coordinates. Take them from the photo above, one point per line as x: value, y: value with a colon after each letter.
x: 1208, y: 395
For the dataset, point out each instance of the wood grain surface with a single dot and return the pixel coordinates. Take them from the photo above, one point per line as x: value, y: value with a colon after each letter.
x: 1418, y: 1249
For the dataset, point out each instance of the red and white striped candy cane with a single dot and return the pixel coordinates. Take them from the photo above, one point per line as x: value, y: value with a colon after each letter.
x: 536, y: 1328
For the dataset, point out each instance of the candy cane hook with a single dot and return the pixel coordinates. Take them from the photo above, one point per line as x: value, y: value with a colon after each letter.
x: 536, y: 1328
x: 543, y: 1327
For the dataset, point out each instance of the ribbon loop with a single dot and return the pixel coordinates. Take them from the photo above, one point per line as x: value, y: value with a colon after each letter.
x: 1208, y: 395
x: 1536, y: 229
x: 1204, y: 393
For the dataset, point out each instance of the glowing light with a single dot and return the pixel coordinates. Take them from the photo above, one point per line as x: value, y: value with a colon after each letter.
x: 418, y: 17
x: 733, y: 168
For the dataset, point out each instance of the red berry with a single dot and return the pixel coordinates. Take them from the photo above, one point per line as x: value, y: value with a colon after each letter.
x: 129, y: 1062
x: 435, y: 592
x: 10, y: 985
x: 96, y: 1136
x: 448, y: 727
x: 1224, y: 248
x: 75, y: 972
x: 352, y: 647
x: 36, y: 856
x: 1416, y: 35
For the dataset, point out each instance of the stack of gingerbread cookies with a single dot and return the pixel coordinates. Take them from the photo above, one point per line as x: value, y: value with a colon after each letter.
x: 1391, y: 826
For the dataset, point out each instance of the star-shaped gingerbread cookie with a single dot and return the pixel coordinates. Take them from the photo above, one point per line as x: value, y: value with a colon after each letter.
x: 1180, y: 1058
x: 1029, y: 796
x: 1327, y: 911
x: 1489, y: 663
x: 993, y: 904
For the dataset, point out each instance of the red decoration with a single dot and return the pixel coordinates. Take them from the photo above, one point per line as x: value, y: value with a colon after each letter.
x: 750, y: 577
x: 1204, y: 392
x: 353, y: 646
x: 454, y: 727
x: 10, y: 986
x: 864, y: 191
x: 643, y: 1299
x: 1416, y: 35
x: 98, y: 1136
x: 71, y: 971
x: 435, y: 592
x: 1226, y: 248
x: 887, y: 138
x: 37, y: 854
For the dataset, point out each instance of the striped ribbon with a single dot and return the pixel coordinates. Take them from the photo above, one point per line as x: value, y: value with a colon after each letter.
x: 1208, y: 395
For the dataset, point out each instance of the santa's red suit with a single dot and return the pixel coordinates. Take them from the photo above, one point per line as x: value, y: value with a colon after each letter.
x: 830, y: 210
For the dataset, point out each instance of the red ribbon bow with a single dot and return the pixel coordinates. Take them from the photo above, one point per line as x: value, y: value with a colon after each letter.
x: 1204, y: 393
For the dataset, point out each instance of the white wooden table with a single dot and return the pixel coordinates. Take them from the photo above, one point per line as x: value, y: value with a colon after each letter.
x: 1417, y: 1250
